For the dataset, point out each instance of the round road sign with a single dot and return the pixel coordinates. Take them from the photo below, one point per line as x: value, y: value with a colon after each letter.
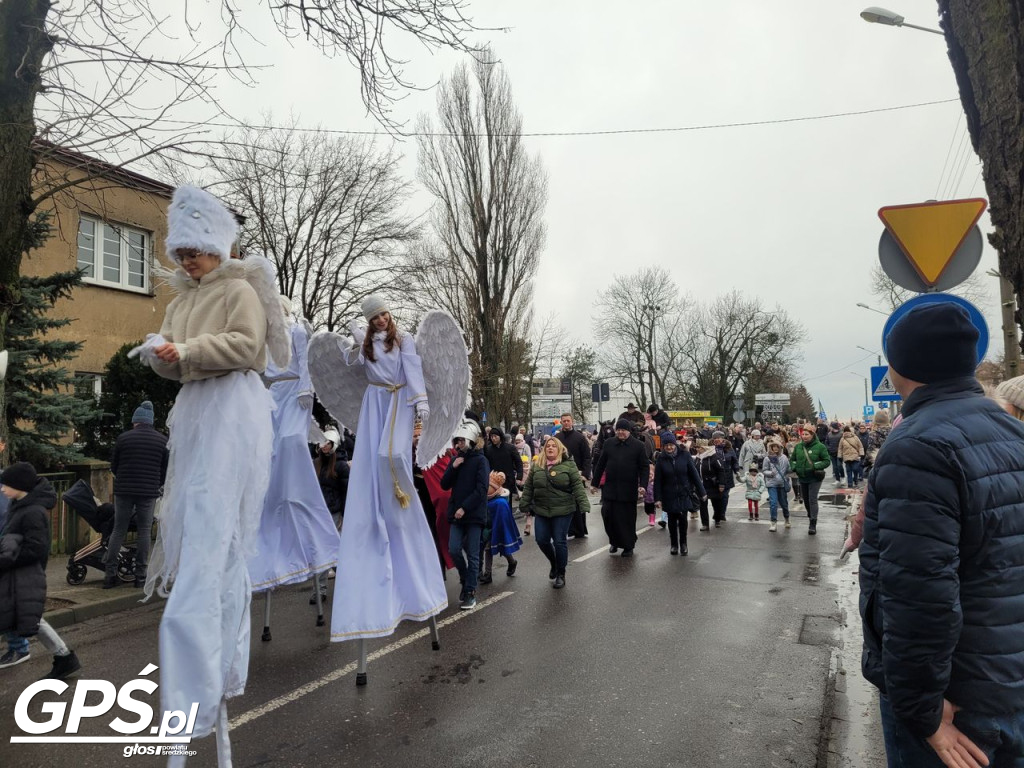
x: 977, y: 319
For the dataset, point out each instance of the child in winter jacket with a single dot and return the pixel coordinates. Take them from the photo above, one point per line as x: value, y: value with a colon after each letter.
x: 24, y: 550
x: 755, y: 489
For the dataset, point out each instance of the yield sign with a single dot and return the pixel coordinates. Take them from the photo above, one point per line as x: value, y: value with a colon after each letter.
x: 930, y: 233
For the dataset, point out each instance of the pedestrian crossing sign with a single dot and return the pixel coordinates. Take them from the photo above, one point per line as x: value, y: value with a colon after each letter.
x: 881, y: 384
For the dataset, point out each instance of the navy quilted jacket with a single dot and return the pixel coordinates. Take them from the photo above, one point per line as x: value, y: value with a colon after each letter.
x: 942, y: 558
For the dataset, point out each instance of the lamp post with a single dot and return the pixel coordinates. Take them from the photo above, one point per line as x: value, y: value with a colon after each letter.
x: 862, y: 305
x: 654, y: 310
x: 873, y: 352
x: 877, y: 15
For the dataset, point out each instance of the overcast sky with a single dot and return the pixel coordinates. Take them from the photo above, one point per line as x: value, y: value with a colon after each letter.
x: 785, y: 211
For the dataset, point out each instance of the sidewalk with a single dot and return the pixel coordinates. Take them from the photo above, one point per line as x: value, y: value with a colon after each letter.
x: 67, y: 604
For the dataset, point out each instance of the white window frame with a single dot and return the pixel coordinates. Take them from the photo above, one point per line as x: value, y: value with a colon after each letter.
x: 101, y: 229
x: 97, y: 382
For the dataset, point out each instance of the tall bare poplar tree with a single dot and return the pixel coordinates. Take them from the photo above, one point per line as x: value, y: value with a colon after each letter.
x: 488, y: 216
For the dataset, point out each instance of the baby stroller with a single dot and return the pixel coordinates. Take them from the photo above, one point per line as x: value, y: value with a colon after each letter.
x: 100, y: 518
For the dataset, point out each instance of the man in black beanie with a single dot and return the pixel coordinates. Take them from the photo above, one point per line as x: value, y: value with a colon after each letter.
x: 139, y: 465
x: 941, y: 563
x: 625, y: 469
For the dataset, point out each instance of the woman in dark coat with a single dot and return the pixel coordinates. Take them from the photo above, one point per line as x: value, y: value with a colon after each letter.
x: 676, y: 479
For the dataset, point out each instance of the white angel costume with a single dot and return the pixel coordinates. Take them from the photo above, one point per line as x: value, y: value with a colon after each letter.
x: 222, y: 326
x: 297, y: 537
x: 388, y: 569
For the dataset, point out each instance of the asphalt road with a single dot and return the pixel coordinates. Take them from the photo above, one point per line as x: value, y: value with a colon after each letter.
x: 719, y: 658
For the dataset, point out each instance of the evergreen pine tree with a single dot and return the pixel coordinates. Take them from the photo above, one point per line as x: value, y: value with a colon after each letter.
x: 42, y: 407
x: 126, y: 383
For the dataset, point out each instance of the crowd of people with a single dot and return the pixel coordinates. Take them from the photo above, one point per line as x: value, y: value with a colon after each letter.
x: 938, y: 529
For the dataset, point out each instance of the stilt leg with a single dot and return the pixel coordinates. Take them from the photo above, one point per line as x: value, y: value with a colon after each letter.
x: 266, y: 617
x: 223, y: 739
x: 361, y: 670
x: 317, y: 581
x: 435, y: 639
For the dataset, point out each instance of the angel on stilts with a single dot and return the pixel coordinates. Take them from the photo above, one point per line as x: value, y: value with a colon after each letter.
x: 298, y: 538
x: 214, y: 339
x: 388, y: 569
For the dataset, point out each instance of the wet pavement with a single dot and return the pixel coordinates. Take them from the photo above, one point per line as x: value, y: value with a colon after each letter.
x: 732, y: 656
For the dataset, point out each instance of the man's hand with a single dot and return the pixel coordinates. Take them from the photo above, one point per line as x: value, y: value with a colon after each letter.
x: 952, y: 746
x: 458, y: 463
x: 459, y: 513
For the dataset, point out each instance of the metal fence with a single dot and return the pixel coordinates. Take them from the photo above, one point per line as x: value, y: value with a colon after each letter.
x: 63, y: 519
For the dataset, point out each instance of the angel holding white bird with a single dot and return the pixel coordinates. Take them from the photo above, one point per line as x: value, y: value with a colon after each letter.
x: 388, y: 569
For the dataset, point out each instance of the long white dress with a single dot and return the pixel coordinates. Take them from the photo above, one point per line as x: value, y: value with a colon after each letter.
x: 388, y: 569
x: 297, y: 536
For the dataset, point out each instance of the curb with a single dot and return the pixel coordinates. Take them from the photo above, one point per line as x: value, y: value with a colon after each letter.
x: 64, y: 617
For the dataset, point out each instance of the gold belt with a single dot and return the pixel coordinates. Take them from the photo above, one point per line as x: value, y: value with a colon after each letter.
x: 402, y: 496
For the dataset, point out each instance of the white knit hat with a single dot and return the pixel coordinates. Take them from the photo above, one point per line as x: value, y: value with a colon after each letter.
x: 373, y: 305
x: 1012, y: 391
x: 197, y: 219
x: 332, y: 436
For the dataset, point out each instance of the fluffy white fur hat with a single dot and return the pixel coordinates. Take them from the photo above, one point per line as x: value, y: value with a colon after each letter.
x: 373, y: 305
x: 197, y: 219
x: 469, y: 430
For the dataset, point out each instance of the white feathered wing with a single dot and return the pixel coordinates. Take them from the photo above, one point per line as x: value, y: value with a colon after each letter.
x: 442, y: 348
x: 338, y: 377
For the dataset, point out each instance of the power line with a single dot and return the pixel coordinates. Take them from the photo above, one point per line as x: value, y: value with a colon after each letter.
x: 837, y: 370
x: 952, y: 139
x: 543, y: 134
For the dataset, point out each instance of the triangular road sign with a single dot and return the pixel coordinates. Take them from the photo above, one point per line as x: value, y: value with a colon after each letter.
x: 885, y: 387
x: 930, y: 233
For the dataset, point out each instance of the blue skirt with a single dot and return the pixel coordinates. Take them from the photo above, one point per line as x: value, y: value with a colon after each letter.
x: 505, y: 538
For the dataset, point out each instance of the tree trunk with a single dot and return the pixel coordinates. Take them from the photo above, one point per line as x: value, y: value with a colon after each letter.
x: 986, y: 49
x: 23, y: 46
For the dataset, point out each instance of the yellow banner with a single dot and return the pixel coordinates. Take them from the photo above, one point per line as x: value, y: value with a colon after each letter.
x: 688, y: 414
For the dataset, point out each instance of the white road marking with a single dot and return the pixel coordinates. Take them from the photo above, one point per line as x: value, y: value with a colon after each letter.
x: 602, y: 551
x: 348, y: 669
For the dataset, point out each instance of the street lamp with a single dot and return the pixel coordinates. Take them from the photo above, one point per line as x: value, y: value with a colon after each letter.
x: 873, y: 352
x: 877, y: 15
x: 865, y: 306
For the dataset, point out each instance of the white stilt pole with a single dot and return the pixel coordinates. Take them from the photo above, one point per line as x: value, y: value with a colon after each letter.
x: 435, y: 638
x: 223, y: 739
x: 266, y: 617
x: 361, y: 670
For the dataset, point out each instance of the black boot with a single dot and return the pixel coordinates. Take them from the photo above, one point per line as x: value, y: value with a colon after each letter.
x: 64, y: 667
x: 110, y: 581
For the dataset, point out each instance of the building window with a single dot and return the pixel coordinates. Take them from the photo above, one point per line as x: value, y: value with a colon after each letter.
x: 114, y: 255
x: 88, y: 385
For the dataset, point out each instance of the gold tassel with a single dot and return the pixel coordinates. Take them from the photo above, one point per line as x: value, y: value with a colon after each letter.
x: 402, y: 496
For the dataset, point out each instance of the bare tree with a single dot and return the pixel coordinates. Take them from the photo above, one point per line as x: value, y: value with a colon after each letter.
x: 487, y: 218
x: 110, y: 78
x: 324, y: 209
x: 985, y: 42
x: 735, y: 345
x: 891, y: 295
x: 636, y: 327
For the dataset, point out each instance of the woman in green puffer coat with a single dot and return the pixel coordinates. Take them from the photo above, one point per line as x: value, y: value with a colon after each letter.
x: 809, y: 459
x: 553, y: 491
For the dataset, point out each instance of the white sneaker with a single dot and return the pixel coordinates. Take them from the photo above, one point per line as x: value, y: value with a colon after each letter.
x: 771, y: 527
x: 788, y: 524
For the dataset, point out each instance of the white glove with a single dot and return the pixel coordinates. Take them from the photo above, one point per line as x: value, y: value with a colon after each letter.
x: 145, y: 351
x: 306, y: 401
x: 422, y: 411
